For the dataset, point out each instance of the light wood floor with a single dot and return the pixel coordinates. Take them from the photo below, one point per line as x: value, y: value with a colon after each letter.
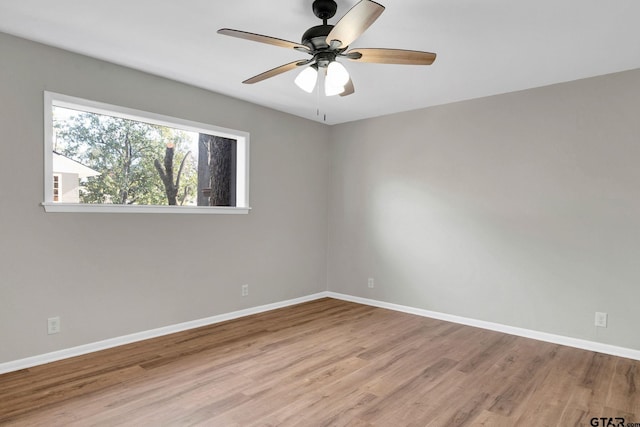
x: 327, y: 363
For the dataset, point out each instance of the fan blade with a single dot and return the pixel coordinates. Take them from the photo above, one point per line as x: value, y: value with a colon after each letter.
x: 263, y: 39
x: 354, y: 23
x: 273, y: 72
x: 348, y: 88
x: 392, y: 56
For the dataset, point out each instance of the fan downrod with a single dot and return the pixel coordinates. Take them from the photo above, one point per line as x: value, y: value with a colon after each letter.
x: 324, y: 9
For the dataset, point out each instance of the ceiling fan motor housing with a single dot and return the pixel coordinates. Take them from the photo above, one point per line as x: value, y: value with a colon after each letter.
x: 315, y: 38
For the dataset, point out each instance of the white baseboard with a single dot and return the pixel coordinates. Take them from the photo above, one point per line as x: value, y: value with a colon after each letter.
x: 140, y: 336
x: 512, y: 330
x: 153, y: 333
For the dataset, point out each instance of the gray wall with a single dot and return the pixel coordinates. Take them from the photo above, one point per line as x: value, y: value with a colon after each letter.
x: 109, y: 275
x: 521, y: 209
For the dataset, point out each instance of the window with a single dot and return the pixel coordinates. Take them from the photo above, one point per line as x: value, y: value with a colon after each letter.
x: 56, y: 187
x: 105, y: 158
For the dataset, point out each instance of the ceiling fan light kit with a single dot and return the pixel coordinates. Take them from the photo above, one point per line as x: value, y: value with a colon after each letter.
x: 326, y: 43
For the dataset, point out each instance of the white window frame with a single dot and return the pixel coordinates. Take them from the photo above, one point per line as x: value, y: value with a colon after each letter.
x: 52, y: 99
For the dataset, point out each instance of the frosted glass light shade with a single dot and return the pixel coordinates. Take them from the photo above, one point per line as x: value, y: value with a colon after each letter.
x: 330, y: 90
x: 337, y: 75
x: 307, y: 79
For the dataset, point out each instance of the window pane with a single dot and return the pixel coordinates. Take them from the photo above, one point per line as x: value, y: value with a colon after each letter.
x: 112, y: 160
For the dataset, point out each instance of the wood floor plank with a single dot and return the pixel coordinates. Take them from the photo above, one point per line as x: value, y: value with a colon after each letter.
x: 491, y: 419
x: 624, y: 392
x: 326, y: 363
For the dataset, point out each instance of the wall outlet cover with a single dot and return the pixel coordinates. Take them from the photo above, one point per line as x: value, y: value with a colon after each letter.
x: 53, y: 325
x: 601, y: 319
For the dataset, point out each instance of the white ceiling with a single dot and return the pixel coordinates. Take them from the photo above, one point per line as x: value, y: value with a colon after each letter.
x: 484, y: 47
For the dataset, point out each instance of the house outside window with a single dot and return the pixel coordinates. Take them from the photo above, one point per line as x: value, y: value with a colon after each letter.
x: 67, y: 177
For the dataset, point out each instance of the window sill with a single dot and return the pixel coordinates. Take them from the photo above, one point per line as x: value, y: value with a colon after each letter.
x: 90, y: 208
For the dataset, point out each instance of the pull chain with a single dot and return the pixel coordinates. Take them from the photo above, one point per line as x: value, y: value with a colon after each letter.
x: 321, y: 77
x: 318, y: 94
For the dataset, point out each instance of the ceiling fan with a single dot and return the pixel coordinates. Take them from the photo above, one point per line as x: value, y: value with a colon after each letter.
x: 328, y: 43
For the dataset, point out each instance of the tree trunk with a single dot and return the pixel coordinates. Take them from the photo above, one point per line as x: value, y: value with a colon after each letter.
x: 167, y: 175
x: 220, y: 166
x: 204, y: 173
x: 215, y: 170
x: 126, y: 169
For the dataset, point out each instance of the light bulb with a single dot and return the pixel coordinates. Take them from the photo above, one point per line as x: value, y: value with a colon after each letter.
x: 307, y: 79
x: 337, y: 75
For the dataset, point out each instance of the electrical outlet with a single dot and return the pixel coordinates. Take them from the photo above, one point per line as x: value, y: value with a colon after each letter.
x: 53, y: 325
x: 601, y: 319
x: 245, y: 290
x: 371, y: 283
